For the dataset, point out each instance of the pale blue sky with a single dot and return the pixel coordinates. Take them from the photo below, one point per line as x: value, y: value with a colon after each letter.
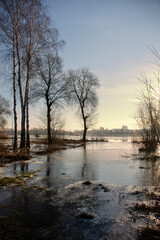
x: 110, y: 37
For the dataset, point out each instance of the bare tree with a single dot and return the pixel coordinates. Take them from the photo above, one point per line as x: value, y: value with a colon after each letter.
x: 49, y: 85
x: 36, y: 36
x: 81, y: 86
x: 30, y: 39
x: 26, y: 31
x: 9, y: 21
x: 57, y: 125
x: 148, y: 113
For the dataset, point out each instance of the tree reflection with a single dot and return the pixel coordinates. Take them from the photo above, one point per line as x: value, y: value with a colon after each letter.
x: 150, y: 170
x: 48, y: 166
x: 87, y: 169
x: 24, y: 167
x: 20, y: 167
x: 85, y: 162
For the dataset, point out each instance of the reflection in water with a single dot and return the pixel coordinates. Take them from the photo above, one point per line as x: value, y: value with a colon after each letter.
x: 20, y: 167
x: 111, y: 163
x: 14, y: 168
x: 24, y: 167
x: 87, y: 168
x: 54, y: 214
x: 85, y: 162
x: 150, y: 170
x: 156, y: 171
x: 116, y: 163
x: 48, y: 181
x: 48, y: 166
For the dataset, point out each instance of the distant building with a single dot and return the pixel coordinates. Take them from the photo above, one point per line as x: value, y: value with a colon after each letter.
x: 124, y: 128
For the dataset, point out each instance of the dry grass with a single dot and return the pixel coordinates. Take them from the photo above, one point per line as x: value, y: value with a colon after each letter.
x: 152, y: 208
x: 19, y: 179
x: 149, y: 233
x: 3, y: 135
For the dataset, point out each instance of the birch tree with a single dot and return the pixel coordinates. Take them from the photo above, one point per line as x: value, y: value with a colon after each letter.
x: 9, y: 22
x: 26, y: 27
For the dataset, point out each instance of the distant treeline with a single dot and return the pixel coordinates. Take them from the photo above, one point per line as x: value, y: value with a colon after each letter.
x: 94, y: 132
x: 98, y: 132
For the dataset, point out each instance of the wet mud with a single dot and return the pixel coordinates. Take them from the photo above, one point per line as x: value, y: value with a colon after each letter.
x: 79, y: 211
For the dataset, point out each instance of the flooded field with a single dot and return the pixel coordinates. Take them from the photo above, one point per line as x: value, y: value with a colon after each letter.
x: 101, y: 191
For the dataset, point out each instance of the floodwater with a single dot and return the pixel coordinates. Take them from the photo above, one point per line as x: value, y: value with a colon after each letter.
x: 83, y: 193
x: 116, y: 162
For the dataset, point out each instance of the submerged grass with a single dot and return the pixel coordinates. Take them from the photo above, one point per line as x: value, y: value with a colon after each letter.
x: 8, y: 181
x: 19, y: 179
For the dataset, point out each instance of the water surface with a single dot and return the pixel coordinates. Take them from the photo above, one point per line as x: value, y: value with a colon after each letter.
x: 49, y: 205
x: 115, y: 162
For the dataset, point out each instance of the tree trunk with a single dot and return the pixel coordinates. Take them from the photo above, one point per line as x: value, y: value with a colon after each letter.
x: 23, y: 113
x: 85, y: 130
x: 49, y: 123
x: 15, y: 114
x: 14, y: 98
x: 23, y: 142
x: 27, y: 124
x: 84, y: 124
x: 27, y: 105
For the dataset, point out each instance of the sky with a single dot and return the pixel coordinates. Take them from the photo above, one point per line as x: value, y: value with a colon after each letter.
x: 112, y: 39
